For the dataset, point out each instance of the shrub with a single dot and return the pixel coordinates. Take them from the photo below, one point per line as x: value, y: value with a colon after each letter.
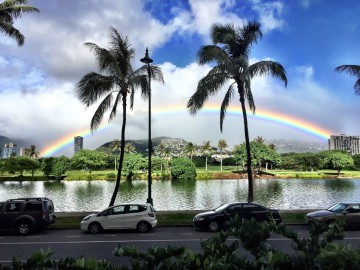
x: 182, y: 168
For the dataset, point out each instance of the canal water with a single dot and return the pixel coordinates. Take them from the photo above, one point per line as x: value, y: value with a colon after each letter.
x: 93, y: 195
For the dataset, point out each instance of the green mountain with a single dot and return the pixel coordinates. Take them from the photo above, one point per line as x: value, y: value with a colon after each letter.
x: 141, y: 146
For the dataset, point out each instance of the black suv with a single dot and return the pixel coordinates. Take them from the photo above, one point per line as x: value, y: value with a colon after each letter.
x: 26, y: 214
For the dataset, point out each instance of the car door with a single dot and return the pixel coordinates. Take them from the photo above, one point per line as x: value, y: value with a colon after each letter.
x: 133, y: 216
x: 11, y: 212
x: 251, y: 210
x: 114, y: 219
x: 353, y: 215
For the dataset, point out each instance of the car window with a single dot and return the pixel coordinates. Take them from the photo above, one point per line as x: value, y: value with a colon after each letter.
x: 120, y: 209
x: 252, y: 208
x: 354, y: 209
x: 13, y: 207
x: 338, y: 208
x: 33, y: 207
x: 1, y: 204
x: 134, y: 209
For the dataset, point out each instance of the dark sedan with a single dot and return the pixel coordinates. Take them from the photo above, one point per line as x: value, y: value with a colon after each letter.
x: 349, y: 211
x: 216, y: 219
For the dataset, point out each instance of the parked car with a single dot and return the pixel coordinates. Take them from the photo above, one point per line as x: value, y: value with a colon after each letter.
x: 140, y: 216
x: 26, y: 214
x: 349, y: 211
x: 217, y: 219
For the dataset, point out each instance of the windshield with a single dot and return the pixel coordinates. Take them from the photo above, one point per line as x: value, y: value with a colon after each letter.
x: 221, y: 208
x: 337, y: 208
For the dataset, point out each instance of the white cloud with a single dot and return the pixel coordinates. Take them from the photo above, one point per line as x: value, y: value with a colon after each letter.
x: 270, y: 14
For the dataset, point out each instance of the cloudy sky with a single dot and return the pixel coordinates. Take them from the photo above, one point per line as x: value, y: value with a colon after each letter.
x: 308, y: 37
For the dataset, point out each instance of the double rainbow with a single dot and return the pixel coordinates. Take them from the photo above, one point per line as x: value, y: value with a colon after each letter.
x: 273, y: 117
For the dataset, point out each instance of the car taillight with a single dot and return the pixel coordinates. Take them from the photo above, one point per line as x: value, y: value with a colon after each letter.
x: 151, y: 214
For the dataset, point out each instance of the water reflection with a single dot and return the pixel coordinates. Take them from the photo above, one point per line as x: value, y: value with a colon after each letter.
x: 183, y: 195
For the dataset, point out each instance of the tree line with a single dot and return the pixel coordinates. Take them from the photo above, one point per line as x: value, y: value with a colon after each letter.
x: 264, y: 158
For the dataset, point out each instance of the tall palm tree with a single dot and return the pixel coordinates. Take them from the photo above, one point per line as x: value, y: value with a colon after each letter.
x: 9, y: 11
x: 222, y: 144
x: 206, y: 150
x: 115, y: 145
x: 129, y: 148
x: 118, y: 82
x: 231, y: 59
x: 190, y: 149
x: 353, y: 70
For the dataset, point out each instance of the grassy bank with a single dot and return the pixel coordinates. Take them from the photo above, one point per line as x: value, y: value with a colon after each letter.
x: 171, y: 219
x: 213, y: 172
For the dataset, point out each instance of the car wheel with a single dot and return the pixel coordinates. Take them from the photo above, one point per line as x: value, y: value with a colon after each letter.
x: 95, y: 228
x: 143, y: 227
x: 24, y: 227
x: 213, y: 226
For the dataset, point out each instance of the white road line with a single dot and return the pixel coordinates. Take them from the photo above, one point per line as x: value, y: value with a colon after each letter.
x: 33, y: 237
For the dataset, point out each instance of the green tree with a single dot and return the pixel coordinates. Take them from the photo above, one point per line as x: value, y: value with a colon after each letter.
x: 206, y: 151
x: 31, y: 152
x: 88, y: 160
x: 46, y: 165
x: 182, y: 168
x: 338, y: 160
x: 356, y: 159
x: 352, y: 70
x: 60, y: 166
x: 190, y: 149
x: 9, y: 11
x: 222, y: 144
x: 133, y: 163
x: 21, y: 164
x: 118, y: 81
x: 232, y: 64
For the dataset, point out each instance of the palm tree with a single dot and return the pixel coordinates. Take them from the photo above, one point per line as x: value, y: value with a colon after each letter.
x: 206, y: 150
x: 232, y: 64
x: 118, y: 82
x: 222, y: 144
x: 9, y: 11
x: 353, y: 70
x: 260, y: 140
x: 115, y: 145
x: 129, y: 148
x: 190, y: 149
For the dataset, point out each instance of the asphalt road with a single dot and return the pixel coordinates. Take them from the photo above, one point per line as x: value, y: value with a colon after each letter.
x: 76, y: 243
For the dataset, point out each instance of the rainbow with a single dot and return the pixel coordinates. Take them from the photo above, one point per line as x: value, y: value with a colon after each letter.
x: 265, y: 115
x: 67, y: 141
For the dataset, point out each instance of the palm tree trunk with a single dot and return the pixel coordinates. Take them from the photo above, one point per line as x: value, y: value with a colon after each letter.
x: 205, y: 163
x: 122, y: 149
x: 248, y: 153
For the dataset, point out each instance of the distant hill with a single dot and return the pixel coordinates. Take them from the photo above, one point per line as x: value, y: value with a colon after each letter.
x: 297, y: 146
x: 141, y: 146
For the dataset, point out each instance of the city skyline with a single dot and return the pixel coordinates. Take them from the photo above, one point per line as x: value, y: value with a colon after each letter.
x: 309, y: 38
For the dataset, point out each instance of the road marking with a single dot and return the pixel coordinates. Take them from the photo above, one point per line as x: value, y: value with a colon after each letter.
x: 73, y: 236
x: 34, y: 237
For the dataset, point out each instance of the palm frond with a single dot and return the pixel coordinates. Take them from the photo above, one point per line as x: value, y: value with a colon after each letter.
x: 224, y: 34
x: 225, y: 103
x: 93, y: 86
x: 12, y: 32
x: 357, y: 87
x: 207, y: 86
x: 210, y: 53
x: 99, y: 113
x: 272, y: 68
x: 353, y: 70
x: 114, y: 108
x: 15, y: 8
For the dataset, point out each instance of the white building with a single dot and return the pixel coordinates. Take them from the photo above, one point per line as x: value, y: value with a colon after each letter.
x: 350, y: 144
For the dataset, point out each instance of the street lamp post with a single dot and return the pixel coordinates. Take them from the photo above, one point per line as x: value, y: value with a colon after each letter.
x: 147, y: 60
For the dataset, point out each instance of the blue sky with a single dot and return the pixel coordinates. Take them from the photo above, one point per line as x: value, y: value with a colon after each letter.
x: 309, y: 38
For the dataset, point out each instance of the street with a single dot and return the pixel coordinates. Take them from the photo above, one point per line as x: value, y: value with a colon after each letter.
x: 75, y: 243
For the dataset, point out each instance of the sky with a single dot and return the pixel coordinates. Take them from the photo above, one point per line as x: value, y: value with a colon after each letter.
x: 308, y: 37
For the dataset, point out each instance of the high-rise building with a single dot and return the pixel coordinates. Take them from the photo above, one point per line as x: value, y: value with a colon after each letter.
x: 350, y: 144
x: 78, y: 143
x: 9, y: 150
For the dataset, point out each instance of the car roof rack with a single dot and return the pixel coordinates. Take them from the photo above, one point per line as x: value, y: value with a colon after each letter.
x: 39, y: 199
